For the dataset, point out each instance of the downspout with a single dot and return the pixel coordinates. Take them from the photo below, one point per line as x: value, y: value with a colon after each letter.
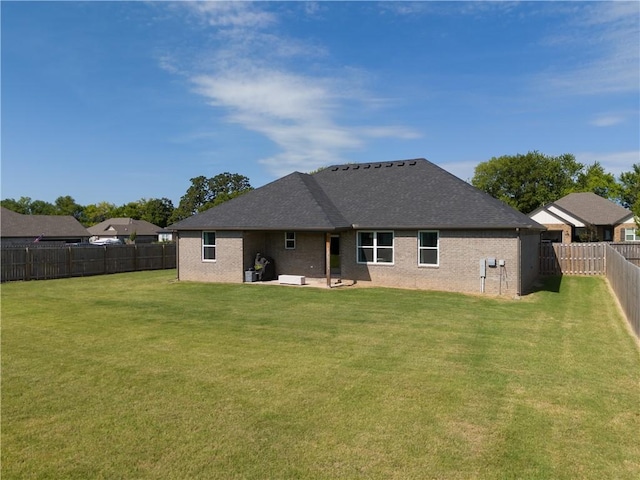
x: 177, y: 255
x: 327, y: 254
x: 519, y: 264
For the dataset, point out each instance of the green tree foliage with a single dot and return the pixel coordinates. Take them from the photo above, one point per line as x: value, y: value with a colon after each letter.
x: 630, y: 187
x: 529, y: 181
x: 18, y: 206
x: 67, y: 206
x: 26, y: 206
x: 635, y: 208
x: 594, y: 179
x: 205, y: 193
x: 158, y: 211
x: 99, y: 212
x: 130, y: 210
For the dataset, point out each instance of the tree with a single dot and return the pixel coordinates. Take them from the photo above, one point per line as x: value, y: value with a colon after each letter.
x: 67, y: 206
x: 529, y: 181
x: 96, y: 213
x: 157, y: 211
x: 133, y: 210
x: 630, y: 187
x: 205, y: 193
x: 595, y: 179
x: 635, y: 208
x: 18, y: 206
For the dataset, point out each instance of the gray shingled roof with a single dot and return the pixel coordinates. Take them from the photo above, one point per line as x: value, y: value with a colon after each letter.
x: 124, y: 226
x: 592, y: 208
x: 17, y: 225
x: 396, y: 195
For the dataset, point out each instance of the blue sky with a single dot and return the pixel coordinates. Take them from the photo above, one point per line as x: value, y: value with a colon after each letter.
x: 118, y: 101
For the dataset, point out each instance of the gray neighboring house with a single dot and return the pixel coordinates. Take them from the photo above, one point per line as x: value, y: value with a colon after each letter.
x: 586, y: 216
x: 407, y: 224
x: 122, y: 228
x: 17, y: 228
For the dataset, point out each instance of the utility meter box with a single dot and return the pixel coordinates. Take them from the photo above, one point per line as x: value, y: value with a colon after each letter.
x: 491, y: 262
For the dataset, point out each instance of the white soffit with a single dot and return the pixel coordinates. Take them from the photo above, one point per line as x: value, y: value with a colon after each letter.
x: 565, y: 216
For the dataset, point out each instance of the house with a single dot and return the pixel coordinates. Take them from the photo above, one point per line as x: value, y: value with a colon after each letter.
x: 399, y: 224
x: 17, y: 228
x: 585, y: 216
x: 124, y: 230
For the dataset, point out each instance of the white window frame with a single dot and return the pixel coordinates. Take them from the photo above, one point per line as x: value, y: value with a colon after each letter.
x: 206, y: 246
x: 289, y: 240
x: 436, y: 248
x: 631, y: 232
x: 375, y: 247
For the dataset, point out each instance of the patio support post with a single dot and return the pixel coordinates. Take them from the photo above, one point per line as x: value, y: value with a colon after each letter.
x: 327, y: 254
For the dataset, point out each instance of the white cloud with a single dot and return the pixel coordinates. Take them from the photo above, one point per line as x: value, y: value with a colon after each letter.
x: 230, y: 14
x: 252, y: 79
x: 607, y: 120
x: 606, y: 35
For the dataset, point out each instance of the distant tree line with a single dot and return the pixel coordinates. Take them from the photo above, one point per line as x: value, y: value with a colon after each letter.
x: 203, y: 193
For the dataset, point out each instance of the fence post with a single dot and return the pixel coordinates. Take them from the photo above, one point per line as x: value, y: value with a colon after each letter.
x: 27, y: 264
x: 69, y: 262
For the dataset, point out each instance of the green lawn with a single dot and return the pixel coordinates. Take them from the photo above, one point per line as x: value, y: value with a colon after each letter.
x: 138, y: 376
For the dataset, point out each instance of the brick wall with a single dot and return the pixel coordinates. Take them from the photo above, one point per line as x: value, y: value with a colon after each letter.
x: 458, y: 270
x: 459, y: 262
x: 308, y: 258
x: 529, y: 259
x: 566, y: 231
x: 228, y: 266
x: 618, y: 231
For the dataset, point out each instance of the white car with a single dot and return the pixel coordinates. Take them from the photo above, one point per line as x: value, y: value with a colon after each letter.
x: 106, y: 241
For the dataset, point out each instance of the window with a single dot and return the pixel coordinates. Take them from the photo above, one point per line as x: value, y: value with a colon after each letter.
x: 208, y: 246
x: 428, y: 248
x: 375, y: 247
x: 631, y: 235
x: 290, y: 240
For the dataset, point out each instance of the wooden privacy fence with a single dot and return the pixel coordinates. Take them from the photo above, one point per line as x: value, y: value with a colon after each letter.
x: 624, y: 278
x: 40, y: 262
x: 572, y: 259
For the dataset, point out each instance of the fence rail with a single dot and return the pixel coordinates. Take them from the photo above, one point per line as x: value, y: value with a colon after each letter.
x: 43, y: 262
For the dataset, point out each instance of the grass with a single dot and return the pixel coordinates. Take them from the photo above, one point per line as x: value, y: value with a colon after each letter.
x: 137, y: 376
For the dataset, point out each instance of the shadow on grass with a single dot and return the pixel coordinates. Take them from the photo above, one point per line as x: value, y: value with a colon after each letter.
x: 549, y: 283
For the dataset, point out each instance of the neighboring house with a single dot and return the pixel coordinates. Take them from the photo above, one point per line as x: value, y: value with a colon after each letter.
x: 121, y: 229
x: 400, y: 224
x: 17, y: 228
x: 580, y: 217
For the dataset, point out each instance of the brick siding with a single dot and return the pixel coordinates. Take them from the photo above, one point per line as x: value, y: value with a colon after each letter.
x: 459, y: 268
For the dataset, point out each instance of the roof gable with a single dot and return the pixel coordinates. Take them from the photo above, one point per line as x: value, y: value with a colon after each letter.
x: 401, y: 194
x: 591, y: 208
